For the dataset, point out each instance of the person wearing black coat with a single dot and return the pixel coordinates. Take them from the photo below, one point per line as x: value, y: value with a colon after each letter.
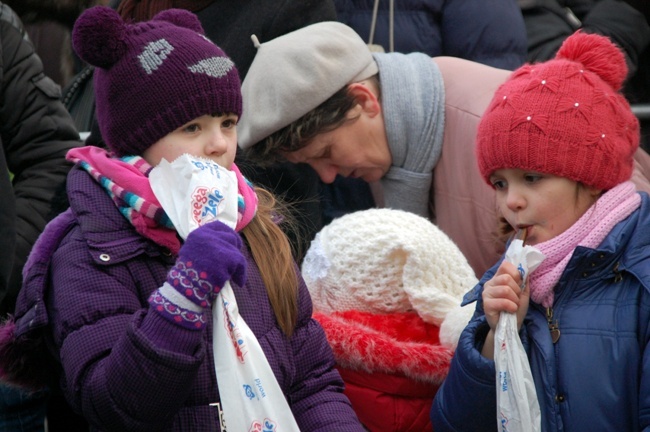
x: 550, y: 22
x: 36, y: 132
x: 625, y: 22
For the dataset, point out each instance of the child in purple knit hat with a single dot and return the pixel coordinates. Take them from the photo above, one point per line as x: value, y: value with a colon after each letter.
x: 142, y: 323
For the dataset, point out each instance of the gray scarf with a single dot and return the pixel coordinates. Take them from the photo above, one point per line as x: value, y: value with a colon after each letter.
x: 413, y: 99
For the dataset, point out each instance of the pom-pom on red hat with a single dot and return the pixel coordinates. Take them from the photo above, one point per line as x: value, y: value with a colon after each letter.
x: 153, y: 77
x: 564, y: 117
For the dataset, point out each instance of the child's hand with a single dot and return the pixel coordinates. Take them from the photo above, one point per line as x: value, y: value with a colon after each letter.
x: 210, y: 256
x: 503, y: 293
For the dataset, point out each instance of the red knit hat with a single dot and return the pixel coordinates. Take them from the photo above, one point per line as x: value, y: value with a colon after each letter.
x: 564, y: 117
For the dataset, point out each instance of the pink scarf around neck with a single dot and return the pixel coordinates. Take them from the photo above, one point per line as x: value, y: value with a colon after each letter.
x: 590, y: 230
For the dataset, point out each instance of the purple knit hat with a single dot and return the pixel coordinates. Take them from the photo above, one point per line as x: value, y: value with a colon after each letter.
x: 153, y: 77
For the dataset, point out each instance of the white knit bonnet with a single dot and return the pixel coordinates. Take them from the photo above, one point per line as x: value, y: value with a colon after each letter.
x: 385, y: 261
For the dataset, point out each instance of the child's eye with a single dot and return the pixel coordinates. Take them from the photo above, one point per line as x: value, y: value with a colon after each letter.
x: 191, y: 128
x: 228, y: 124
x: 498, y: 184
x: 532, y: 178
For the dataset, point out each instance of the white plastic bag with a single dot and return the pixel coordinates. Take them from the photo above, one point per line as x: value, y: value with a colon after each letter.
x: 517, y: 405
x: 251, y: 397
x: 195, y: 191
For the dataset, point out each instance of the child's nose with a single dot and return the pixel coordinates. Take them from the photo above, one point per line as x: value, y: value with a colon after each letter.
x: 515, y: 200
x: 216, y: 144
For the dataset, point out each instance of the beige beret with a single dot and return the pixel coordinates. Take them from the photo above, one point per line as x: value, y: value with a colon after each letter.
x: 294, y: 73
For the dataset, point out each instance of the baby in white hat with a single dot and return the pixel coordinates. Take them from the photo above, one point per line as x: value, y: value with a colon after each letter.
x: 386, y: 287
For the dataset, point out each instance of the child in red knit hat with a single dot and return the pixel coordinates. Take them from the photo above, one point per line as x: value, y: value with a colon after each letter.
x: 557, y: 145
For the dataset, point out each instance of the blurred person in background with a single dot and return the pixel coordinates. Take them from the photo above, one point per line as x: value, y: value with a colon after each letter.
x: 625, y: 22
x: 49, y: 23
x: 36, y: 132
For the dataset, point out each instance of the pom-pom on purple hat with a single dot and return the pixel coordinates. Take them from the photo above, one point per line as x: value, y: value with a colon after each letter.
x: 153, y: 77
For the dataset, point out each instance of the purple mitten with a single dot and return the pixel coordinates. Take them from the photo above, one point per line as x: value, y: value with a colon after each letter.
x: 210, y: 256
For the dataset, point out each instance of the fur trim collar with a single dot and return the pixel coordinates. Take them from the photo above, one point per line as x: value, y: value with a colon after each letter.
x: 400, y: 343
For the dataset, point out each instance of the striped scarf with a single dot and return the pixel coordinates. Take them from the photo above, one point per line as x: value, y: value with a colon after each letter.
x: 125, y: 180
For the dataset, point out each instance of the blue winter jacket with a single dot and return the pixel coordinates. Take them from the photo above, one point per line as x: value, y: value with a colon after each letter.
x: 86, y: 288
x: 491, y: 32
x: 597, y: 376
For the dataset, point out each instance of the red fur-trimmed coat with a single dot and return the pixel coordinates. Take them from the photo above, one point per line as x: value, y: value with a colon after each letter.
x: 392, y: 366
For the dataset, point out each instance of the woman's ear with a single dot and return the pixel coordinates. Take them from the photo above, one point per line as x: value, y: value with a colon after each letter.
x: 366, y: 97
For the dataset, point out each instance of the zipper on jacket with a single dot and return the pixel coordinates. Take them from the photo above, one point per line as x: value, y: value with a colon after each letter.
x: 552, y: 325
x: 618, y: 276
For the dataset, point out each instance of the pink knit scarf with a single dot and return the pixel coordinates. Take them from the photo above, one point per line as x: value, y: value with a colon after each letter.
x: 589, y: 231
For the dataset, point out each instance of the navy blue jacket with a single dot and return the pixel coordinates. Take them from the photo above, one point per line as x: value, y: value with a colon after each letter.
x: 491, y: 32
x: 597, y: 375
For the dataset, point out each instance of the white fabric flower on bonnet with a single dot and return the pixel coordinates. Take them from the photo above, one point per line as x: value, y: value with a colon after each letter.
x: 385, y: 261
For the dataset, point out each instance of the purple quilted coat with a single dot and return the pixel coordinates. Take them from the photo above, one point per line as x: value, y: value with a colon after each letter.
x: 86, y: 288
